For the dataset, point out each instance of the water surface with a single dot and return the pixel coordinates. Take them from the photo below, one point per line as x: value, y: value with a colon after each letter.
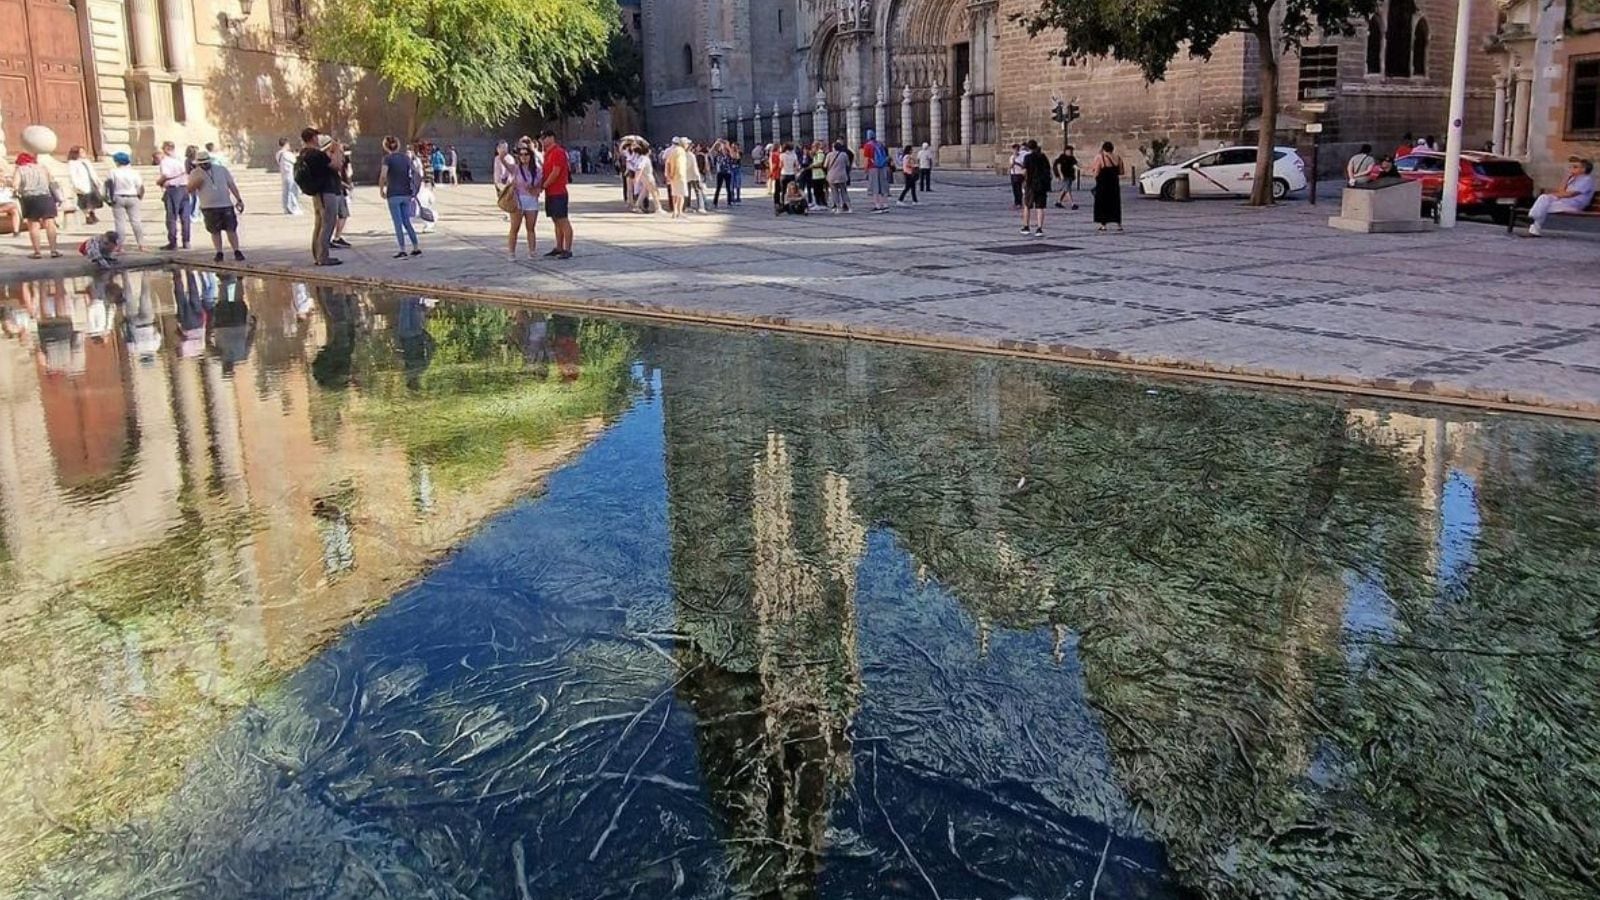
x: 320, y: 593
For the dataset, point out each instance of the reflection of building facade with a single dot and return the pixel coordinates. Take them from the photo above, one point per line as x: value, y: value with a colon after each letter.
x: 1547, y: 92
x: 175, y: 536
x: 965, y: 76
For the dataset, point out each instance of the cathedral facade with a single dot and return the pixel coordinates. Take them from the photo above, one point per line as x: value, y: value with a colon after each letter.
x: 965, y: 75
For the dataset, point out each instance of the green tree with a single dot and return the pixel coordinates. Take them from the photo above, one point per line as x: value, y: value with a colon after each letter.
x: 619, y: 78
x: 1151, y: 33
x: 479, y: 61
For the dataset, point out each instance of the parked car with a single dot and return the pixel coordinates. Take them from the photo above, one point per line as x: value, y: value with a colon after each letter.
x: 1230, y: 171
x: 1486, y: 180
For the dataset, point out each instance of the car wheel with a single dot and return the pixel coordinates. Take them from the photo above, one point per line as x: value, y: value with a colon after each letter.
x: 1280, y: 188
x: 1169, y: 191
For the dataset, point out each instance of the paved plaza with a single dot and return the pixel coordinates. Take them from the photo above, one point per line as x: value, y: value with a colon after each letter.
x: 1211, y: 286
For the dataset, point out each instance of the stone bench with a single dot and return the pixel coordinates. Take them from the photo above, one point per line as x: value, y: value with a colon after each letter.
x: 1392, y: 208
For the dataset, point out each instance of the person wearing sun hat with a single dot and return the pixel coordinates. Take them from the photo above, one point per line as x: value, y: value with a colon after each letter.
x: 213, y: 187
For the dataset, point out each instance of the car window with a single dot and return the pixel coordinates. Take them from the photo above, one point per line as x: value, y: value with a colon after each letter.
x: 1500, y: 168
x: 1210, y: 159
x: 1238, y: 157
x: 1430, y: 164
x: 1406, y: 164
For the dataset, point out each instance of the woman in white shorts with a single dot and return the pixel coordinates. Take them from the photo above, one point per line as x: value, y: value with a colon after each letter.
x: 526, y: 184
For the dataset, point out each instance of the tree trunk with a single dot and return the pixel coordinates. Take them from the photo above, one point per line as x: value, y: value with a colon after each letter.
x: 1261, y: 191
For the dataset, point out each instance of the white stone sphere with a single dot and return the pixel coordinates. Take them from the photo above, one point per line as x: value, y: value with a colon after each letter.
x: 39, y: 140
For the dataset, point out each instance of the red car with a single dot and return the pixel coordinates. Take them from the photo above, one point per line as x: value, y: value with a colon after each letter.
x: 1486, y: 179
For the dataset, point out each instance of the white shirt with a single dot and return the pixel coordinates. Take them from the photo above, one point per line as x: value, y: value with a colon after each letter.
x: 790, y: 163
x: 172, y: 170
x: 126, y: 182
x: 1583, y: 186
x: 81, y: 171
x: 286, y: 159
x: 925, y: 158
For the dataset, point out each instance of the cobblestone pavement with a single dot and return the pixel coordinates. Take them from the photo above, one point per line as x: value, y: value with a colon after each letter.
x: 1210, y: 286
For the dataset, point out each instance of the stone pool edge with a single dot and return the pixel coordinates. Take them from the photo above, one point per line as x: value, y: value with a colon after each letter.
x: 1409, y: 390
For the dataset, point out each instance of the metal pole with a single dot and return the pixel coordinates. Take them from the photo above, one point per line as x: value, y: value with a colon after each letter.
x: 1316, y: 156
x: 1458, y: 104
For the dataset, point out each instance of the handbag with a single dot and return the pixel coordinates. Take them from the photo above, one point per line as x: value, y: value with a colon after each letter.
x: 507, y: 201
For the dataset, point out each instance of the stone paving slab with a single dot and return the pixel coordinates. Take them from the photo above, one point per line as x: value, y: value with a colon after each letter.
x: 1211, y: 287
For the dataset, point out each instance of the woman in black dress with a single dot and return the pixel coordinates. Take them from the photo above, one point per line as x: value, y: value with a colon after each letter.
x: 1107, y: 168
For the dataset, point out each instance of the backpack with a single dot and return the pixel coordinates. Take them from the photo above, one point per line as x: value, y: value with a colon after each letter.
x: 304, y: 179
x: 880, y: 155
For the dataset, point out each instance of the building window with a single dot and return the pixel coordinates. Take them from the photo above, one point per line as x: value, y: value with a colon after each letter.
x: 1419, y: 48
x: 688, y: 60
x: 1319, y: 72
x: 1397, y: 46
x: 780, y: 21
x: 1583, y: 101
x: 289, y: 20
x: 1374, y: 46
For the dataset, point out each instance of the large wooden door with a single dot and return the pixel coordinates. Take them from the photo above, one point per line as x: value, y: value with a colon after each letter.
x: 42, y: 73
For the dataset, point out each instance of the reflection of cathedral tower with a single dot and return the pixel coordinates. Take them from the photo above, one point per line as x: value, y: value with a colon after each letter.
x: 766, y: 589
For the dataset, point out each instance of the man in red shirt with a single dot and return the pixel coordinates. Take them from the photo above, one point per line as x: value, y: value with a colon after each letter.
x: 557, y: 172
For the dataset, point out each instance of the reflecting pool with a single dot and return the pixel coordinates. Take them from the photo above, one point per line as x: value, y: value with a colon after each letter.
x: 316, y: 592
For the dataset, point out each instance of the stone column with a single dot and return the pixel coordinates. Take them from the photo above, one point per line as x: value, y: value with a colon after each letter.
x: 1519, y: 115
x: 852, y: 122
x: 1500, y: 114
x: 880, y: 116
x: 936, y: 116
x: 738, y: 128
x: 794, y: 120
x: 819, y: 118
x: 755, y: 123
x: 908, y: 136
x: 777, y: 124
x: 180, y: 35
x: 144, y: 23
x: 966, y: 112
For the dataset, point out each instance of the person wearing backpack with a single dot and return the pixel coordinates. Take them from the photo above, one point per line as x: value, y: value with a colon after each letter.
x: 316, y: 173
x: 875, y: 157
x: 837, y: 166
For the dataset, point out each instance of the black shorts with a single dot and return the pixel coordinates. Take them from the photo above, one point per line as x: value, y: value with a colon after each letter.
x: 555, y: 207
x: 1039, y: 199
x: 220, y: 219
x: 38, y: 207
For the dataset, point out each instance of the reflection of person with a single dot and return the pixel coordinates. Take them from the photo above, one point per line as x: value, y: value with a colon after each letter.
x: 1574, y: 195
x: 564, y: 347
x: 529, y: 331
x: 416, y: 344
x: 193, y: 314
x: 332, y: 366
x: 233, y: 326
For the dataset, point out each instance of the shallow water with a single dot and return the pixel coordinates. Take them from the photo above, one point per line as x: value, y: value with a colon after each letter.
x: 320, y: 593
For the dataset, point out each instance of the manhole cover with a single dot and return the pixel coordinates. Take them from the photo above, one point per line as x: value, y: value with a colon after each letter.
x: 1026, y: 249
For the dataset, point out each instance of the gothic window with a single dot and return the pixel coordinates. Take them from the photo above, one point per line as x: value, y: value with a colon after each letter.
x: 688, y: 60
x: 1397, y: 47
x: 1374, y: 46
x: 1419, y: 48
x: 1319, y: 72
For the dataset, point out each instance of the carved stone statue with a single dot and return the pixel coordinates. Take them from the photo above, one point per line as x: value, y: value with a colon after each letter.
x: 847, y: 11
x: 905, y: 94
x: 822, y: 99
x: 716, y: 74
x: 966, y: 85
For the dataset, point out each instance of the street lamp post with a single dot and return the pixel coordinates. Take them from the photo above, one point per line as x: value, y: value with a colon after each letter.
x: 1458, y: 104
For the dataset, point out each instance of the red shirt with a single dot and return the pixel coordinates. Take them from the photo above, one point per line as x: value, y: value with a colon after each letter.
x: 557, y: 171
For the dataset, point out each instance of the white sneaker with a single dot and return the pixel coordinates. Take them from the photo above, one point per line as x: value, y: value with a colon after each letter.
x: 1534, y: 229
x: 1026, y: 230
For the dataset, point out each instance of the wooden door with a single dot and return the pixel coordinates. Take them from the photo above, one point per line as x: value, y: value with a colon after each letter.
x: 42, y: 72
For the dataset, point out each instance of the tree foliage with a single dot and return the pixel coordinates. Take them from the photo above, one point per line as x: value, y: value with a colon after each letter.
x: 479, y: 61
x: 619, y: 78
x: 1151, y: 33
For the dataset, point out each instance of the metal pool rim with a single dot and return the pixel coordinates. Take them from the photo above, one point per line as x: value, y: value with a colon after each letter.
x: 1415, y: 391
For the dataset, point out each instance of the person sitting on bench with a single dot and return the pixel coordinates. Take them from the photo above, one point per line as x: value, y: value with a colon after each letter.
x: 1573, y: 196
